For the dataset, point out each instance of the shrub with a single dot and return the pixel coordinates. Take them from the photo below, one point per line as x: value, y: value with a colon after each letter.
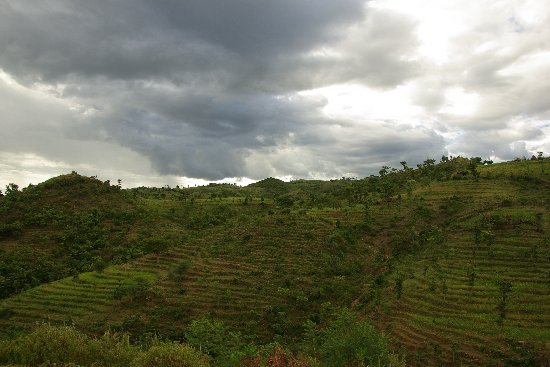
x: 180, y: 269
x: 277, y: 358
x: 64, y: 345
x: 211, y: 336
x: 134, y: 290
x: 170, y: 354
x: 347, y: 341
x: 48, y: 344
x: 10, y: 229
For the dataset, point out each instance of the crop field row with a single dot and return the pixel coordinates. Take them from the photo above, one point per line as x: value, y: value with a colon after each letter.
x: 77, y: 299
x: 456, y: 307
x: 236, y: 276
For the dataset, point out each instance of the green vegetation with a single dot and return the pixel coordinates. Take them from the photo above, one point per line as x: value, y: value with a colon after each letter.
x: 444, y: 264
x: 63, y: 345
x: 68, y: 225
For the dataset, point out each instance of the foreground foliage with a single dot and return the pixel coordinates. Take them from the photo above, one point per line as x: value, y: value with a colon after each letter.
x: 63, y: 345
x: 345, y: 341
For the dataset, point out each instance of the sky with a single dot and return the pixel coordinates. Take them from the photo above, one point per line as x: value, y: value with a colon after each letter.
x: 173, y: 92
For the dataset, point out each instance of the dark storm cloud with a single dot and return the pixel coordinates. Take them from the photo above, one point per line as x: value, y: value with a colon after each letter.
x: 180, y: 41
x: 65, y: 42
x: 241, y: 45
x: 202, y: 135
x: 259, y: 29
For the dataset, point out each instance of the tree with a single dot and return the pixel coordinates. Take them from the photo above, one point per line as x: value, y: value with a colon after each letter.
x: 476, y: 160
x: 410, y: 186
x: 11, y: 188
x: 346, y: 340
x: 429, y: 162
x: 384, y: 171
x: 399, y: 285
x: 504, y: 287
x: 472, y: 166
x: 484, y: 235
x: 212, y: 337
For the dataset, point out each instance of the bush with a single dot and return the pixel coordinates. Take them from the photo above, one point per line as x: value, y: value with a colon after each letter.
x: 64, y: 346
x: 49, y: 345
x: 211, y: 336
x: 10, y: 229
x: 170, y: 354
x: 180, y: 269
x: 133, y: 290
x: 277, y: 358
x: 347, y: 341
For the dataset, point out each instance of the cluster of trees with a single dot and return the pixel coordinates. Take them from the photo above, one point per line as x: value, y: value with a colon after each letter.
x: 334, y: 193
x: 388, y: 185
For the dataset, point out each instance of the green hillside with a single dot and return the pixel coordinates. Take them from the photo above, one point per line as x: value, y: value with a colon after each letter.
x: 450, y: 261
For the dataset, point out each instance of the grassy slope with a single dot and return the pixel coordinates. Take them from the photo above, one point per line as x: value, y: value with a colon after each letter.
x: 72, y: 224
x: 264, y: 270
x: 442, y: 317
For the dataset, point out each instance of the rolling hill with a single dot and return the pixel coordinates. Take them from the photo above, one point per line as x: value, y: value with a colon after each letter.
x: 450, y: 260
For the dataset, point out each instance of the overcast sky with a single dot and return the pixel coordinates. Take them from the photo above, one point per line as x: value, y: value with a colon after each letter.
x: 178, y: 91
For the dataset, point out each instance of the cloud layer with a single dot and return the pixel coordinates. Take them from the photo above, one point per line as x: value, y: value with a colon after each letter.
x: 291, y: 88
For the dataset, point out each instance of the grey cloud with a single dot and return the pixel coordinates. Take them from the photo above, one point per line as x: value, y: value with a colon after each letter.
x: 240, y: 45
x: 193, y: 86
x: 170, y: 39
x: 116, y: 40
x: 380, y: 50
x: 261, y: 29
x: 32, y: 124
x: 428, y: 93
x: 204, y: 136
x: 350, y: 150
x: 211, y: 88
x: 375, y: 51
x: 506, y: 143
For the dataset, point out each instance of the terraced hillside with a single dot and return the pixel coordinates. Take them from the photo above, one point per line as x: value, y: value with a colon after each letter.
x: 84, y: 299
x: 482, y: 296
x: 264, y: 277
x: 451, y: 260
x: 263, y: 273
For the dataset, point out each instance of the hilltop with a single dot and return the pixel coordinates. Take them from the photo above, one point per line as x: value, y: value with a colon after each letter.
x: 68, y: 225
x: 449, y: 260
